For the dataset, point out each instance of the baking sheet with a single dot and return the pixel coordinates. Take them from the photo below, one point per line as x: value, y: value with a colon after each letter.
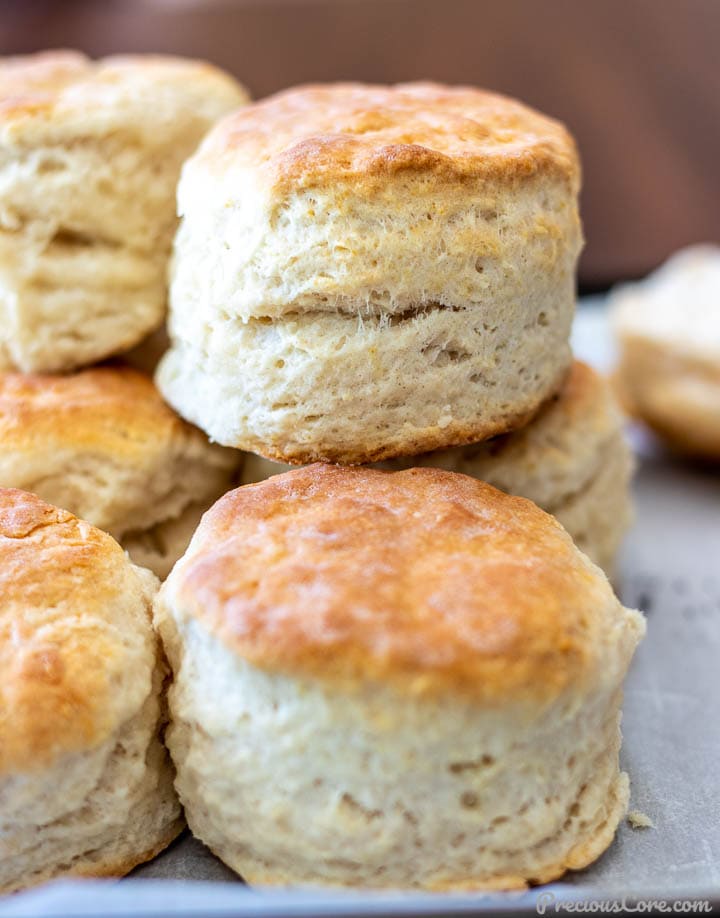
x: 670, y: 568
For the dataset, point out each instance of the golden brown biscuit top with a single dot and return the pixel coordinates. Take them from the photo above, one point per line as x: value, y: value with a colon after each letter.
x: 321, y: 133
x: 424, y: 579
x: 56, y: 86
x: 110, y: 409
x: 73, y: 621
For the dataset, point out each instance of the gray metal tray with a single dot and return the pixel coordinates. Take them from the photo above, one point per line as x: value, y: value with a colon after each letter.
x: 670, y: 568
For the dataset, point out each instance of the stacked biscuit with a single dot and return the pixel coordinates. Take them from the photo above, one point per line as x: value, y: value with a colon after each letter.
x: 390, y: 676
x: 86, y: 787
x: 394, y: 679
x: 393, y: 267
x: 90, y: 157
x: 90, y: 154
x: 396, y: 676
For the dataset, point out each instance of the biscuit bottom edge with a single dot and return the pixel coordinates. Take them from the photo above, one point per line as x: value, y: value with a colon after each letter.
x: 581, y: 855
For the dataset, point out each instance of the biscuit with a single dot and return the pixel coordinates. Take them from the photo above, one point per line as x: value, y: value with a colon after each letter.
x: 85, y: 784
x: 571, y: 460
x: 102, y: 443
x: 394, y: 679
x: 668, y: 329
x: 90, y: 154
x: 363, y: 272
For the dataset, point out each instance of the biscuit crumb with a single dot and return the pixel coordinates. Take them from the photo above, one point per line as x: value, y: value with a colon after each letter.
x: 639, y: 820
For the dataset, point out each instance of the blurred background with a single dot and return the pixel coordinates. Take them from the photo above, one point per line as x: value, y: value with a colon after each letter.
x: 637, y: 81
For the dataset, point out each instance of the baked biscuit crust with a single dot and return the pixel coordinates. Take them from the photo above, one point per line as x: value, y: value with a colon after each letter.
x: 85, y: 784
x: 103, y: 443
x: 112, y: 408
x: 52, y: 89
x: 57, y: 696
x: 409, y: 578
x: 318, y: 135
